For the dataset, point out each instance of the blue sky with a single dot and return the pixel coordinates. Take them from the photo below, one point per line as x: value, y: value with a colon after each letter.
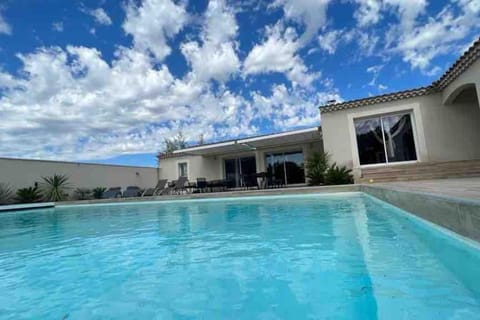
x: 107, y: 81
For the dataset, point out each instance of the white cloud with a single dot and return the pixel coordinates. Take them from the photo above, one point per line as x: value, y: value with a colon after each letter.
x: 222, y: 60
x: 152, y: 23
x: 419, y: 43
x: 289, y: 108
x: 311, y: 13
x: 375, y: 71
x: 219, y: 31
x: 72, y: 104
x: 369, y: 12
x: 101, y: 17
x: 278, y: 54
x: 5, y: 28
x: 408, y: 11
x: 57, y: 26
x: 329, y: 41
x: 416, y: 39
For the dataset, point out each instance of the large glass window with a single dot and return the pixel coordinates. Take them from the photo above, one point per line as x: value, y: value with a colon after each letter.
x: 238, y: 169
x: 385, y: 139
x: 286, y: 167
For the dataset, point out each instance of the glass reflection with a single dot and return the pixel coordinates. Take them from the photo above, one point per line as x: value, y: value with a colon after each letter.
x: 399, y: 141
x: 385, y: 139
x: 370, y: 141
x: 286, y: 167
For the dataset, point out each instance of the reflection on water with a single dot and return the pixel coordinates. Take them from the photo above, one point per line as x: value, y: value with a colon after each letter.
x: 333, y: 257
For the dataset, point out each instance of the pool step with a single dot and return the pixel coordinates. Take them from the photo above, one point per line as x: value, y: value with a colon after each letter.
x: 422, y: 171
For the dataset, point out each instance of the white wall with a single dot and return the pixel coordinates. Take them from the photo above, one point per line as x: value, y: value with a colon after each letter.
x: 198, y: 166
x: 212, y: 168
x: 443, y: 132
x: 469, y: 76
x: 452, y: 132
x: 24, y: 173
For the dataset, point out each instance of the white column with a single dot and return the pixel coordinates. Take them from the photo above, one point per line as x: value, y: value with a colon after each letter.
x: 260, y: 161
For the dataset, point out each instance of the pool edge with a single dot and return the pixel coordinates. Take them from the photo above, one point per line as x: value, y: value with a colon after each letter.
x: 462, y: 216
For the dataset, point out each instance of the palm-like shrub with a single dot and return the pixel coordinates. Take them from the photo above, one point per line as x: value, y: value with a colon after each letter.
x: 316, y: 166
x: 6, y: 194
x: 28, y: 195
x: 82, y: 194
x: 338, y: 175
x: 55, y: 188
x: 98, y: 192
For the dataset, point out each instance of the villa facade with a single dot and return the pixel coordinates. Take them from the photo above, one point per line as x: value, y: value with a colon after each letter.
x: 437, y: 123
x: 282, y: 155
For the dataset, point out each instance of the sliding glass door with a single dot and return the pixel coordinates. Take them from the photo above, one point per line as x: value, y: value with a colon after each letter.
x: 238, y: 168
x: 287, y: 167
x: 385, y: 139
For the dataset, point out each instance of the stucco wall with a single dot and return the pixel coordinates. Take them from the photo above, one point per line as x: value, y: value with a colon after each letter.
x: 443, y: 133
x: 24, y: 173
x: 452, y: 132
x: 213, y: 167
x: 198, y: 166
x: 469, y: 76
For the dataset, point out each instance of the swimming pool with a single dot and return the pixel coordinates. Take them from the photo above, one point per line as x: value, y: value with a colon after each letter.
x: 337, y: 256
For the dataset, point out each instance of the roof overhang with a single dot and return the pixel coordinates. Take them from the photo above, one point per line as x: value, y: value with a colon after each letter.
x: 254, y: 143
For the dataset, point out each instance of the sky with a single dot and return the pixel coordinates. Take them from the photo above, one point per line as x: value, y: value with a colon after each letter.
x: 107, y: 81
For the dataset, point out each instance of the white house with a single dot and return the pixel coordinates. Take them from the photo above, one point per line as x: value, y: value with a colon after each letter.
x: 438, y: 123
x: 417, y: 128
x: 282, y: 154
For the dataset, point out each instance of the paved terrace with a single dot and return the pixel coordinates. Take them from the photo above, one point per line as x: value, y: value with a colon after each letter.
x: 467, y: 188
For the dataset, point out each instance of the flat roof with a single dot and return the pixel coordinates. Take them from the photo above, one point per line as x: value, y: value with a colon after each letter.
x: 250, y: 143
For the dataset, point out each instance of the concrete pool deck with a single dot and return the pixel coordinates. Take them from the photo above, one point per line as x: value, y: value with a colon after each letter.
x: 466, y: 188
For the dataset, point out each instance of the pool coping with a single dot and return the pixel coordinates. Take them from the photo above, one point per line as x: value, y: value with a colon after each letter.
x: 26, y: 206
x: 460, y: 215
x: 223, y: 195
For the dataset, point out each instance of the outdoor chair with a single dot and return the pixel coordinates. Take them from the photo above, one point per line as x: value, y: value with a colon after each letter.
x: 216, y: 185
x: 114, y: 192
x: 159, y: 189
x: 250, y: 181
x: 202, y: 184
x: 132, y: 191
x: 229, y: 183
x: 274, y: 182
x: 180, y: 185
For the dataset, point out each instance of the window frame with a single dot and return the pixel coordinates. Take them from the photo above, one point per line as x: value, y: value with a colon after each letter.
x: 417, y: 127
x: 179, y: 163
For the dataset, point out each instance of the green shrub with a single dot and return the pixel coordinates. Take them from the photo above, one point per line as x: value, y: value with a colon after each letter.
x: 6, y: 194
x: 28, y: 195
x: 316, y: 166
x: 338, y: 175
x: 82, y: 194
x: 54, y: 188
x: 98, y: 192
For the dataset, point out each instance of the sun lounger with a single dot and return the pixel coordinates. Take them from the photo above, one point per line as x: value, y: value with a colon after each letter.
x: 115, y: 192
x: 158, y: 190
x: 132, y: 191
x: 180, y: 185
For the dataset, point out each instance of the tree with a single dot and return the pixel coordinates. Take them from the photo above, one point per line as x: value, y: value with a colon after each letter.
x: 175, y: 143
x: 316, y: 166
x: 55, y: 188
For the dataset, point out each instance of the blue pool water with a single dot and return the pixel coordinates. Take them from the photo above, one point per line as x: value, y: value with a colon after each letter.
x: 345, y: 256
